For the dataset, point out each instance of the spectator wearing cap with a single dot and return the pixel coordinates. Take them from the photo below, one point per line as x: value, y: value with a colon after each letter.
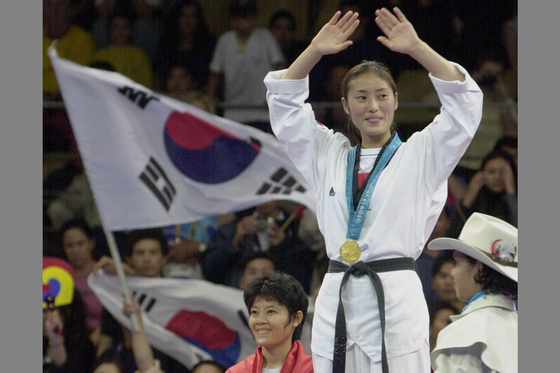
x: 483, y: 337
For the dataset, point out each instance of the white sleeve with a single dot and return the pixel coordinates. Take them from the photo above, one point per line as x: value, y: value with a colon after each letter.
x: 294, y: 124
x: 218, y: 57
x: 444, y: 141
x: 458, y: 360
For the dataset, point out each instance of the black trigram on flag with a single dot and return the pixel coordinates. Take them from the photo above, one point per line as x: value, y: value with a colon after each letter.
x: 281, y: 182
x: 156, y: 180
x: 145, y: 301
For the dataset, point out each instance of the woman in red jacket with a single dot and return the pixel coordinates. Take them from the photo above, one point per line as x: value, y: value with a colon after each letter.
x: 277, y: 307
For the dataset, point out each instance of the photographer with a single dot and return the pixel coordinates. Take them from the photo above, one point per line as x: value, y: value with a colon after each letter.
x: 499, y: 114
x: 267, y: 227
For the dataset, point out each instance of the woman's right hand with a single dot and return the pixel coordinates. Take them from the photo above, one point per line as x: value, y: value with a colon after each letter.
x: 333, y: 36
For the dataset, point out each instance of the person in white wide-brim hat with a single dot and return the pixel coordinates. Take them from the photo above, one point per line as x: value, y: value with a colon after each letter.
x: 483, y: 337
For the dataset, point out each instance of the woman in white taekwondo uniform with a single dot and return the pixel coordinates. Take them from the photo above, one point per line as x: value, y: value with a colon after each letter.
x: 374, y: 233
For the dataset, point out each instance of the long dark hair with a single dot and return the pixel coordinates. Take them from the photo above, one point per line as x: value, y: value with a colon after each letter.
x: 78, y: 223
x: 201, y: 32
x: 489, y: 202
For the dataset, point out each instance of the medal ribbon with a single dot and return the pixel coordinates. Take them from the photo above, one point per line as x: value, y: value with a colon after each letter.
x: 475, y: 297
x: 357, y: 216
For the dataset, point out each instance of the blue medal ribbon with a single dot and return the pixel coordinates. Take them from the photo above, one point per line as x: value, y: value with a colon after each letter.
x: 474, y: 297
x: 357, y: 216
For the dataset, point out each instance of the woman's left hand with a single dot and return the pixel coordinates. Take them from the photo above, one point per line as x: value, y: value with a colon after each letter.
x: 400, y: 35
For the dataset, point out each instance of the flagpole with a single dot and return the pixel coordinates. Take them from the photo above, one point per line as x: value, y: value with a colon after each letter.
x: 120, y: 272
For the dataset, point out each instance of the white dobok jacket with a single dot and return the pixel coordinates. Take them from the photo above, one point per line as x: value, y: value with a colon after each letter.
x: 404, y: 207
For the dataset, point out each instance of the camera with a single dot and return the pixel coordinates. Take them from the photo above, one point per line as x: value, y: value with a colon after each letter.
x: 263, y: 222
x: 488, y: 80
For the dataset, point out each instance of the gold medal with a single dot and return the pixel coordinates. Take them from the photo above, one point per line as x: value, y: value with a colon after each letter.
x: 350, y: 251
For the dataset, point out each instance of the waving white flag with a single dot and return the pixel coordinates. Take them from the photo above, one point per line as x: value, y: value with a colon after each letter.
x: 189, y: 320
x: 153, y: 161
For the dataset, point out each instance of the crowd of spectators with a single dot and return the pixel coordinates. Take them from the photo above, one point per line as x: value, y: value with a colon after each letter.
x: 153, y: 41
x: 168, y: 46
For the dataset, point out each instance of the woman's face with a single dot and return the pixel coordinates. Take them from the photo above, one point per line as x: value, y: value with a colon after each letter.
x: 78, y: 247
x: 443, y: 283
x: 371, y: 105
x: 463, y: 274
x: 494, y: 174
x: 270, y: 323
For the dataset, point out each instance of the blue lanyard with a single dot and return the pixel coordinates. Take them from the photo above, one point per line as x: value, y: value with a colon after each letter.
x: 357, y: 217
x: 474, y: 297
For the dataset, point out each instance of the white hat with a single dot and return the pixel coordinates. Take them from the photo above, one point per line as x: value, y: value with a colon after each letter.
x: 487, y: 239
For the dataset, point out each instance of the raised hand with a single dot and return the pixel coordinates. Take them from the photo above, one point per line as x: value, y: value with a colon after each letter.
x: 333, y: 36
x: 400, y: 35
